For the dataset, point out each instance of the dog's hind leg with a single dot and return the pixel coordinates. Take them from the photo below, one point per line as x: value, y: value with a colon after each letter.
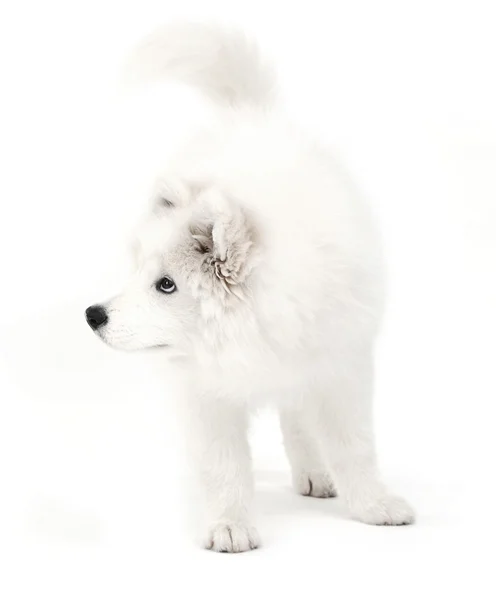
x: 344, y: 417
x: 310, y: 475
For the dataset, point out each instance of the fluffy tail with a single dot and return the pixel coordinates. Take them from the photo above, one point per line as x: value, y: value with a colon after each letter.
x: 222, y: 63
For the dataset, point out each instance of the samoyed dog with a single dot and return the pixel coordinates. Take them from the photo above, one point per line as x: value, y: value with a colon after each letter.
x: 258, y: 273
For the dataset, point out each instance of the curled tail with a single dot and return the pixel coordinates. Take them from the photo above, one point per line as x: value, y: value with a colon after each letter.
x: 222, y: 63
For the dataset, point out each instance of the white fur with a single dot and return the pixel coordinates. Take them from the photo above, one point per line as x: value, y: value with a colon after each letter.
x: 279, y: 292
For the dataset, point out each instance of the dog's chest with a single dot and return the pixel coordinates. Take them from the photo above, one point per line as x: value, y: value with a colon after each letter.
x: 255, y: 378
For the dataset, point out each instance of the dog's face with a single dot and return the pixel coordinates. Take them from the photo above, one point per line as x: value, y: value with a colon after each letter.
x: 192, y: 259
x: 156, y: 308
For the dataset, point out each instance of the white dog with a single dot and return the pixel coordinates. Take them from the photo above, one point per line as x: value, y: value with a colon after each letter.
x: 259, y: 271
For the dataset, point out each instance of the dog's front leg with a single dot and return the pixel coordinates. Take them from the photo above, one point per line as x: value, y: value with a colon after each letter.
x: 221, y: 458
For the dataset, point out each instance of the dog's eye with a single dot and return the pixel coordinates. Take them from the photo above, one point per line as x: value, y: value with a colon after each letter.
x: 166, y: 285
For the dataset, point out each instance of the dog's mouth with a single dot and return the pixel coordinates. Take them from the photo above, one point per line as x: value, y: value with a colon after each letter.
x: 156, y: 347
x: 124, y: 345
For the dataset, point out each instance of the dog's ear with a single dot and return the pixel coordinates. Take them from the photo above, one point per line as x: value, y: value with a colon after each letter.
x: 223, y: 234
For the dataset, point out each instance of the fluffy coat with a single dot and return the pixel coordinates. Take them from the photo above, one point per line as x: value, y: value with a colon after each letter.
x: 277, y: 284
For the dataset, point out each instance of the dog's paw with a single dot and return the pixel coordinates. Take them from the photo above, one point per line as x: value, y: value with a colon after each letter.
x: 316, y: 483
x: 387, y: 510
x: 231, y: 537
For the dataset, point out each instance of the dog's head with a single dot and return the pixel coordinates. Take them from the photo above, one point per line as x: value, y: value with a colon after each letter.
x: 194, y: 256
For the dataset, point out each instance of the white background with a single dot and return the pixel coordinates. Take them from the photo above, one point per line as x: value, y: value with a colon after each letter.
x: 92, y: 483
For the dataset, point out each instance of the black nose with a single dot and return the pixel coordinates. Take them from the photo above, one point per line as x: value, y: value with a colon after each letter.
x: 96, y: 316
